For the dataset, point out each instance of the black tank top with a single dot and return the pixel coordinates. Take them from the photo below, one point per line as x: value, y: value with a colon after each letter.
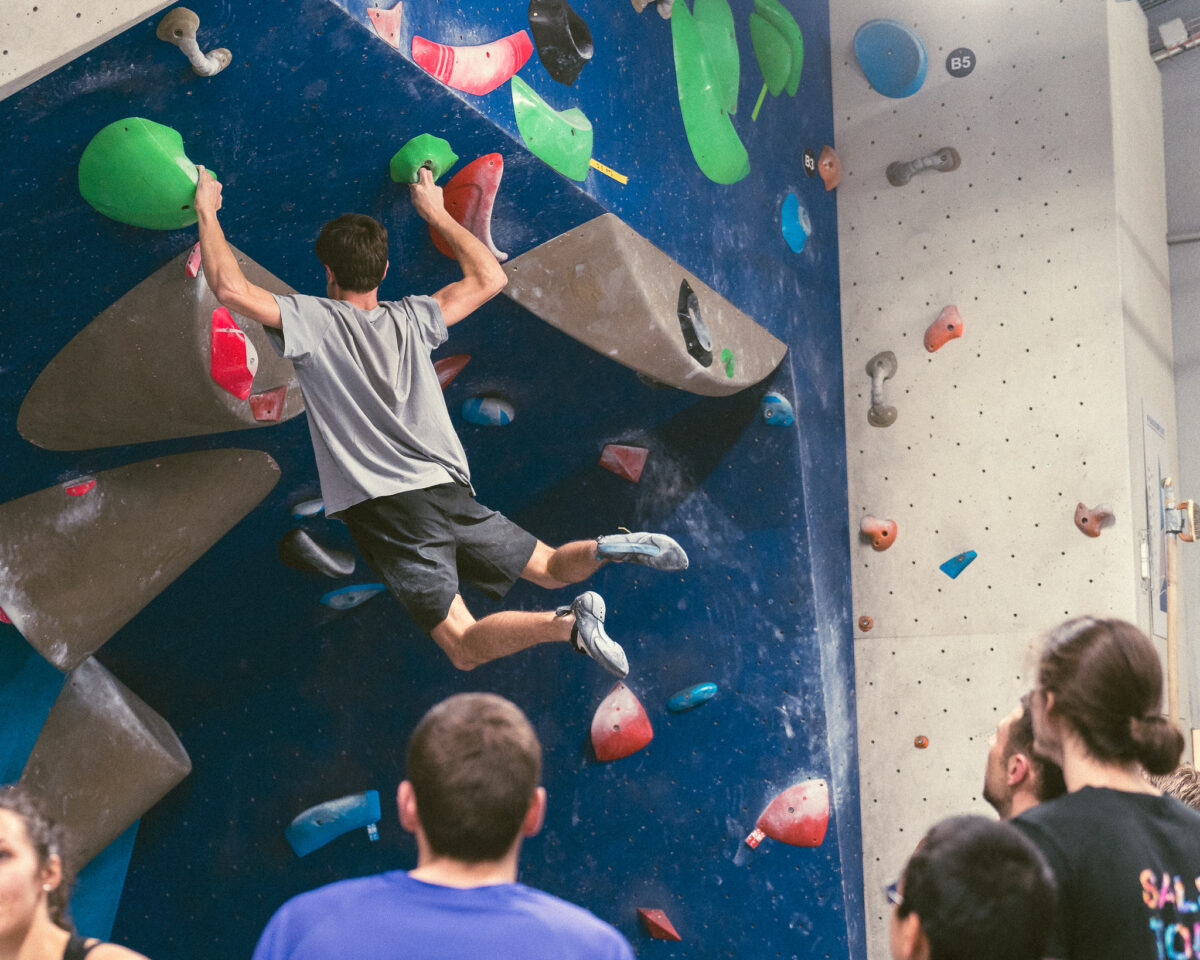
x: 76, y: 949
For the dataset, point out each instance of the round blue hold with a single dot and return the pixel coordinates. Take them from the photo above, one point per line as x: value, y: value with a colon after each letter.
x: 797, y: 227
x: 692, y: 697
x: 776, y: 411
x: 488, y: 411
x: 892, y: 57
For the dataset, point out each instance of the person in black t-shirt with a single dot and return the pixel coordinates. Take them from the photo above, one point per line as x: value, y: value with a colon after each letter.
x: 1126, y: 858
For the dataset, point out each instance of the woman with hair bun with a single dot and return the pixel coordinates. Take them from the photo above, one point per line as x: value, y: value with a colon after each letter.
x: 1125, y: 857
x: 33, y: 889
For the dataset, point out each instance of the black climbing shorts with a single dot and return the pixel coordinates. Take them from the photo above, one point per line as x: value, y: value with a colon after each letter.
x: 422, y: 542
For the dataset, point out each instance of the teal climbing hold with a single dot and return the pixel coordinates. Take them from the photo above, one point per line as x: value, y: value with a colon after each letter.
x: 956, y: 565
x: 318, y: 825
x: 691, y: 697
x: 488, y: 411
x: 776, y: 411
x: 349, y: 597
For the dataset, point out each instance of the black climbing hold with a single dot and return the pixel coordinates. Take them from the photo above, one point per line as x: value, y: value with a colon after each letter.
x: 563, y: 40
x: 301, y: 552
x: 696, y: 337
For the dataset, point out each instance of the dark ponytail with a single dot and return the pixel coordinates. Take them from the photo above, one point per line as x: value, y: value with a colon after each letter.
x: 1107, y: 683
x: 46, y: 838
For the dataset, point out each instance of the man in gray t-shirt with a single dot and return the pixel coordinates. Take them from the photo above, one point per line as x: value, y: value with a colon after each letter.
x: 390, y: 463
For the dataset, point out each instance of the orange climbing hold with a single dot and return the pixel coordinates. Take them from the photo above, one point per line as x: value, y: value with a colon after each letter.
x: 657, y: 924
x: 921, y: 742
x: 865, y: 624
x: 799, y: 816
x: 620, y: 725
x: 627, y: 462
x: 268, y: 405
x: 881, y: 532
x: 830, y: 167
x: 948, y: 326
x: 450, y: 367
x: 1094, y: 520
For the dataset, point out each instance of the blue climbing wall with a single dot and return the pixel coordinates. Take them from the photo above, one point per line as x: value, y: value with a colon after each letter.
x: 283, y: 703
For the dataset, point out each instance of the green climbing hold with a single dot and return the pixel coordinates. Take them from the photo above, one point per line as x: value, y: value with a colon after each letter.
x: 136, y: 171
x: 424, y: 150
x: 702, y: 65
x: 714, y: 23
x: 727, y: 360
x: 563, y: 139
x: 778, y: 47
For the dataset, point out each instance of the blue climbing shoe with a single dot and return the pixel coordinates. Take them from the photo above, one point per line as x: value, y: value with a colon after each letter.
x: 588, y: 636
x: 655, y: 550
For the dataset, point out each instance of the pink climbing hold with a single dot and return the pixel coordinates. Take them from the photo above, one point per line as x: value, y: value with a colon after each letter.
x: 469, y: 197
x: 1092, y: 521
x: 830, y: 167
x: 657, y: 924
x: 948, y: 326
x: 799, y: 816
x: 450, y: 367
x: 268, y: 405
x: 387, y: 23
x: 234, y: 359
x: 881, y: 532
x: 620, y: 725
x: 627, y: 462
x: 480, y: 69
x: 77, y: 488
x: 193, y: 262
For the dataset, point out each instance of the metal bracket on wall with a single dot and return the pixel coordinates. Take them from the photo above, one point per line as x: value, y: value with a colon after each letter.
x: 1144, y: 558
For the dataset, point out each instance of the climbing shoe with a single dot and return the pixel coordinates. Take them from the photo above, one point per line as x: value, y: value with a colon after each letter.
x: 655, y: 550
x: 588, y: 636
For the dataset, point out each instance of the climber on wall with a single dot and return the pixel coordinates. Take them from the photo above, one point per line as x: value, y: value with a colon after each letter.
x: 389, y: 461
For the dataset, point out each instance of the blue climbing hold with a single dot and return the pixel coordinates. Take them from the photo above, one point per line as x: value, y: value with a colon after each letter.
x: 892, y: 57
x: 956, y: 565
x: 308, y: 508
x: 797, y: 227
x: 488, y: 411
x: 776, y: 411
x: 692, y: 697
x: 317, y: 825
x: 348, y: 597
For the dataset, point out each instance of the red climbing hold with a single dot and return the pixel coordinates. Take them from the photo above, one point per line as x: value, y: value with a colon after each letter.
x: 620, y: 725
x: 1094, y: 520
x: 4, y: 618
x: 477, y: 70
x: 469, y: 197
x: 797, y: 816
x: 387, y: 23
x: 830, y: 167
x: 268, y: 406
x: 77, y: 488
x: 881, y: 532
x: 948, y: 326
x: 450, y: 367
x: 234, y: 359
x: 627, y: 462
x: 657, y: 924
x: 193, y: 262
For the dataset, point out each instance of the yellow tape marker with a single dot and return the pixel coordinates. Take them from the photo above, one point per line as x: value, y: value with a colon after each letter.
x: 608, y: 171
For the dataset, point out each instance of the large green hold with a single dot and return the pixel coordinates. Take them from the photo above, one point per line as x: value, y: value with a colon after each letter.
x: 136, y: 171
x: 561, y: 138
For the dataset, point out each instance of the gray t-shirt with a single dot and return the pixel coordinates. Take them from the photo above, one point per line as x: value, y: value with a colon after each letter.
x: 376, y: 414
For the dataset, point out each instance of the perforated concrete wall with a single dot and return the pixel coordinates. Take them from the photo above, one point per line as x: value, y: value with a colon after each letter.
x: 38, y: 36
x: 1059, y: 275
